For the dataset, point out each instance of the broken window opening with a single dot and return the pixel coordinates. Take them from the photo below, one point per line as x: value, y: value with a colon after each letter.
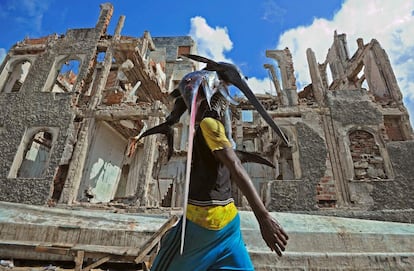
x: 67, y: 76
x: 329, y: 77
x: 181, y: 134
x: 284, y: 158
x: 357, y: 79
x: 118, y: 86
x: 361, y: 81
x: 364, y: 84
x: 17, y: 76
x: 247, y: 115
x: 285, y: 163
x: 123, y: 80
x: 36, y: 156
x: 100, y: 57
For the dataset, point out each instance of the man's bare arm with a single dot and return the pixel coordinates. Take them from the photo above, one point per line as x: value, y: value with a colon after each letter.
x: 273, y: 234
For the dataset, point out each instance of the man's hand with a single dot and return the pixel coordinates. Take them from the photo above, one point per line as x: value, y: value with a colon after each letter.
x: 273, y: 234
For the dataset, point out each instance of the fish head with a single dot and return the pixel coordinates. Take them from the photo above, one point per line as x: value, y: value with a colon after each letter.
x: 199, y: 86
x: 231, y: 75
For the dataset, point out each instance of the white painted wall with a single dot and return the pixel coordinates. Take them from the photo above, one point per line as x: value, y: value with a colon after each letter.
x: 104, y: 164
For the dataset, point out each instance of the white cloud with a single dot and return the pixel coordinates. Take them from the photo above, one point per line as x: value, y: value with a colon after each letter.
x: 214, y: 42
x: 389, y: 22
x: 261, y: 86
x: 211, y: 42
x: 3, y: 53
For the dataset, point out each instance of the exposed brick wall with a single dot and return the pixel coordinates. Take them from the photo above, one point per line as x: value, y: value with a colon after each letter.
x: 326, y: 192
x: 393, y: 128
x: 111, y: 80
x: 368, y: 163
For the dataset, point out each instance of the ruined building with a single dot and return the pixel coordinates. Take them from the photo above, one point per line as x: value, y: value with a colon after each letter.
x: 70, y: 104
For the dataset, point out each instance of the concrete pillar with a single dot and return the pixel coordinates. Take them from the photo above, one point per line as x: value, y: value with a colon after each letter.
x: 317, y: 85
x: 281, y: 94
x: 146, y: 184
x: 284, y: 59
x: 104, y: 17
x: 76, y: 166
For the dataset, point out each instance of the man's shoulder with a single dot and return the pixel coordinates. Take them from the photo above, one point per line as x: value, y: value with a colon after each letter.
x: 212, y: 124
x: 214, y: 134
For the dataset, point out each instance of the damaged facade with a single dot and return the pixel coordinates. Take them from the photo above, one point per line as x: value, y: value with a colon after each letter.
x: 70, y: 103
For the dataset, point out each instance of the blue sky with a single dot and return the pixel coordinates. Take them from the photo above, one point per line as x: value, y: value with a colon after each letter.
x: 237, y: 31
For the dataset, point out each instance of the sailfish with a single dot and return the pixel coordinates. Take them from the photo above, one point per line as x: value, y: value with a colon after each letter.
x: 196, y: 87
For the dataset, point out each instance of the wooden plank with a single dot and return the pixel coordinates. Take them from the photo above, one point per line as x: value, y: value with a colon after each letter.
x: 113, y: 250
x: 33, y: 244
x: 54, y: 250
x: 63, y: 248
x: 97, y: 263
x: 18, y: 243
x: 146, y: 248
x: 79, y: 260
x: 138, y: 255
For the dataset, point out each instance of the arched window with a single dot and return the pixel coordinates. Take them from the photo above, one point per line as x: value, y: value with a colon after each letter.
x: 67, y: 76
x: 17, y: 76
x: 36, y: 156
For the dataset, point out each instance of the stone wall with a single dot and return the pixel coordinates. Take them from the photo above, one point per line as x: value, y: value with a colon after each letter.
x: 397, y: 193
x: 35, y: 106
x: 293, y: 195
x: 19, y: 112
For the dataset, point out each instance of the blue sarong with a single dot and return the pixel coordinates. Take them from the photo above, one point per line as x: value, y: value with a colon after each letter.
x: 204, y: 249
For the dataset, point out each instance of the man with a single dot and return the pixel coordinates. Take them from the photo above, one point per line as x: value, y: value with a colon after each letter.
x: 213, y: 238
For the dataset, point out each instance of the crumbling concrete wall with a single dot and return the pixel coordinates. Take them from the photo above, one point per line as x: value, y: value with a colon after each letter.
x: 35, y: 106
x: 353, y: 107
x: 294, y: 195
x: 175, y: 67
x: 21, y: 111
x: 395, y: 193
x: 355, y: 149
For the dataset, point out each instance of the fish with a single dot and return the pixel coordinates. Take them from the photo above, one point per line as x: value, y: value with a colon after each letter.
x: 194, y: 88
x: 231, y: 74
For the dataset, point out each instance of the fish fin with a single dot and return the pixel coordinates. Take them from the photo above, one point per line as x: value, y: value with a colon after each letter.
x: 165, y: 129
x: 248, y: 157
x: 175, y: 93
x: 201, y: 59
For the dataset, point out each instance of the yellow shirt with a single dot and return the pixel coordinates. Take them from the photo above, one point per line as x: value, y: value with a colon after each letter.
x: 213, y: 217
x: 214, y: 134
